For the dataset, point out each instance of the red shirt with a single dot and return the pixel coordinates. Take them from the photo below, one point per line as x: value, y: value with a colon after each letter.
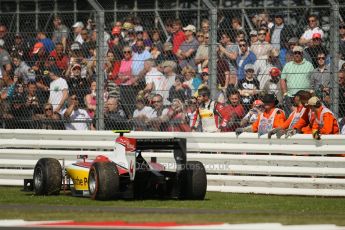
x: 178, y: 38
x: 61, y: 62
x: 230, y: 113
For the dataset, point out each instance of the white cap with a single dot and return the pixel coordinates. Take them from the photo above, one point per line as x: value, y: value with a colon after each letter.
x: 190, y: 27
x: 78, y: 24
x: 138, y: 29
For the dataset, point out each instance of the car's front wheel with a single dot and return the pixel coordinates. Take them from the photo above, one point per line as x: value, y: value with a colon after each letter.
x: 47, y: 177
x: 103, y: 181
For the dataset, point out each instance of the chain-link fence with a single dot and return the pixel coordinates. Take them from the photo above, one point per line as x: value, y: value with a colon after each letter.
x: 160, y: 65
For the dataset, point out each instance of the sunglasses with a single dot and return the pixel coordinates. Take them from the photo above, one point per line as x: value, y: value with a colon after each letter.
x: 200, y: 35
x: 311, y: 20
x: 203, y: 95
x: 261, y: 33
x: 321, y: 58
x: 297, y: 52
x: 48, y: 109
x: 156, y: 101
x: 341, y: 27
x: 242, y: 45
x: 127, y: 52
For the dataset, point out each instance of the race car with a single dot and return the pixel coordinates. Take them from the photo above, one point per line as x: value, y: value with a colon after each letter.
x: 124, y: 173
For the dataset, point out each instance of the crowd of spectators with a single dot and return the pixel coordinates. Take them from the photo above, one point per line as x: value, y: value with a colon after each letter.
x: 160, y: 82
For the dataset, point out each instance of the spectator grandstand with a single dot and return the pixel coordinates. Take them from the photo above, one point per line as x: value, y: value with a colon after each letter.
x: 157, y: 59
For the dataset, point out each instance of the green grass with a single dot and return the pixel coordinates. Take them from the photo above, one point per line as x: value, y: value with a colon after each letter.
x: 217, y: 207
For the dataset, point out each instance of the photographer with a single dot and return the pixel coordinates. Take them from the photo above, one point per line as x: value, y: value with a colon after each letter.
x: 32, y: 105
x: 74, y: 113
x: 253, y: 114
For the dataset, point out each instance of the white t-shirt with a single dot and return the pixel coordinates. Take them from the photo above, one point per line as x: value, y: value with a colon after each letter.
x: 160, y: 83
x: 77, y: 115
x: 56, y: 91
x: 146, y: 111
x: 308, y: 34
x: 79, y: 39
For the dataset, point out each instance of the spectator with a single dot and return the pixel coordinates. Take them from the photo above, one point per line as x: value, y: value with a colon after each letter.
x: 49, y: 119
x: 77, y: 84
x: 233, y: 111
x: 271, y: 117
x: 58, y: 90
x: 253, y: 37
x: 205, y: 26
x: 19, y: 47
x: 253, y: 114
x: 61, y: 33
x: 22, y: 70
x: 223, y: 72
x: 272, y: 86
x: 125, y: 76
x: 262, y: 71
x: 86, y: 41
x: 341, y: 76
x: 169, y: 29
x: 138, y: 60
x: 5, y: 59
x: 61, y: 58
x: 249, y: 87
x: 228, y: 50
x: 324, y: 122
x: 200, y: 37
x: 208, y: 112
x: 114, y: 116
x: 141, y: 114
x: 314, y: 48
x: 6, y: 37
x: 320, y: 79
x: 313, y: 28
x: 112, y: 67
x: 295, y: 76
x: 176, y: 118
x: 167, y: 55
x: 157, y: 40
x: 179, y: 91
x: 178, y: 35
x: 245, y: 57
x: 186, y: 51
x: 287, y: 55
x: 39, y: 58
x: 261, y: 49
x: 47, y: 42
x: 240, y: 36
x: 169, y: 69
x: 32, y: 104
x: 77, y: 29
x: 281, y: 32
x: 91, y: 100
x: 236, y: 25
x: 155, y: 80
x: 190, y: 80
x: 19, y: 118
x: 222, y: 23
x: 74, y: 113
x: 201, y: 56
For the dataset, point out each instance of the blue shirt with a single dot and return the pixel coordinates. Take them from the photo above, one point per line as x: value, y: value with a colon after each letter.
x: 242, y: 62
x: 48, y: 45
x: 138, y: 61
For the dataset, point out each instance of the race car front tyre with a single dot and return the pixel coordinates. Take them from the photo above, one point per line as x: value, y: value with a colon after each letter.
x: 195, y: 181
x: 47, y: 177
x: 103, y: 181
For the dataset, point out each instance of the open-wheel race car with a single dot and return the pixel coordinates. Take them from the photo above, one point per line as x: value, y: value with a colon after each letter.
x: 124, y: 173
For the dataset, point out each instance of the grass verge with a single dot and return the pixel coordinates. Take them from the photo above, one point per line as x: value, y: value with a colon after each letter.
x: 217, y: 207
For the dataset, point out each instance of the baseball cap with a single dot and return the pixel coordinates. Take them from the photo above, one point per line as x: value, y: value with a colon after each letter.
x: 275, y: 72
x: 78, y: 24
x: 190, y: 27
x: 127, y: 26
x: 248, y: 67
x: 297, y: 49
x: 293, y: 40
x: 138, y: 29
x: 37, y: 47
x: 253, y: 32
x: 313, y: 101
x: 257, y: 103
x: 169, y: 63
x: 116, y: 30
x: 316, y: 35
x: 75, y: 46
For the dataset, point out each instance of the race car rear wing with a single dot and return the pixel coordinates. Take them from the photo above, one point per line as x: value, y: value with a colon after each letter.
x: 178, y: 145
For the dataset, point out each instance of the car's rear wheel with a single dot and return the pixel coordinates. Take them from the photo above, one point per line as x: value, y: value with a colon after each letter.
x: 103, y: 181
x: 47, y: 177
x: 195, y: 181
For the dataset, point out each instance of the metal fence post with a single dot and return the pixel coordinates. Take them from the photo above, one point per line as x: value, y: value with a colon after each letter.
x: 100, y: 63
x: 212, y: 48
x: 334, y: 52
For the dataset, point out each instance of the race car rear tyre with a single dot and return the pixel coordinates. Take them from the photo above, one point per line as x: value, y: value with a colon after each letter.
x: 103, y: 181
x: 195, y: 181
x: 47, y: 177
